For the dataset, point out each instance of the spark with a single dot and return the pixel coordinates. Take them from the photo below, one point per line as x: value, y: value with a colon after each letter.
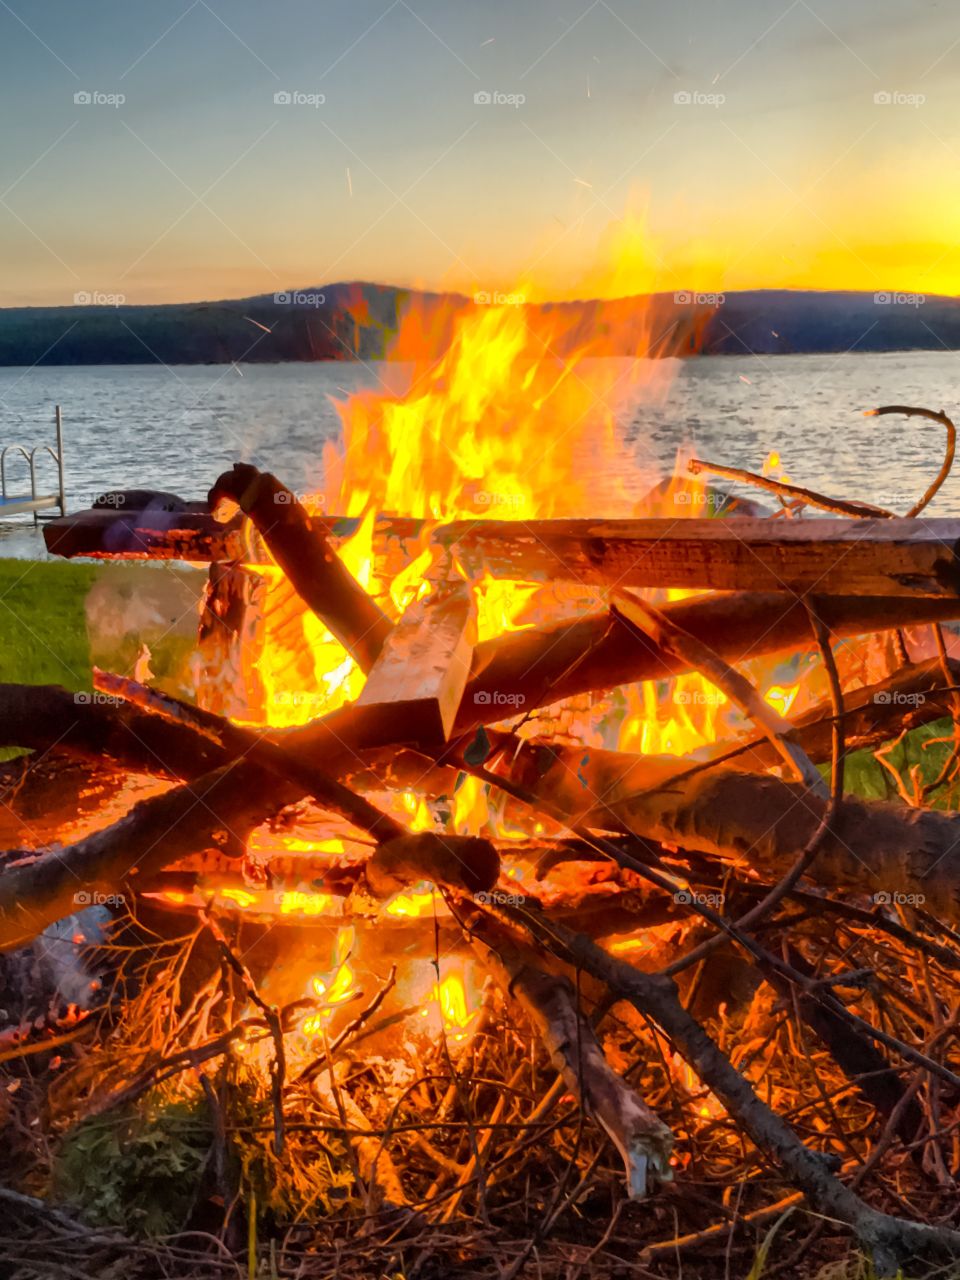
x: 349, y: 182
x: 583, y: 183
x: 258, y: 324
x: 744, y: 378
x: 486, y: 42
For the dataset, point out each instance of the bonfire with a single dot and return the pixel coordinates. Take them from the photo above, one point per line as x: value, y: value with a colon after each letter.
x: 508, y: 896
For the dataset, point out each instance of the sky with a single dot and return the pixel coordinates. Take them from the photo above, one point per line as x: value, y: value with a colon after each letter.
x: 198, y: 149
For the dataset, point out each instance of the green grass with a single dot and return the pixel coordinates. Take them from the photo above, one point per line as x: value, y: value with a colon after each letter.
x: 924, y: 748
x: 59, y: 618
x: 43, y: 627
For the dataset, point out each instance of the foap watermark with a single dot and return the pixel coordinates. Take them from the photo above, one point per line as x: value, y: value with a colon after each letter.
x: 498, y: 698
x: 697, y: 98
x: 284, y: 498
x: 297, y: 98
x: 97, y: 98
x: 484, y: 298
x: 898, y: 98
x: 496, y: 98
x: 884, y: 899
x: 111, y: 499
x: 700, y: 698
x: 488, y: 498
x: 893, y: 499
x: 899, y: 698
x: 95, y: 298
x: 92, y: 898
x: 97, y: 699
x: 496, y: 899
x: 691, y: 898
x: 297, y: 698
x: 701, y: 498
x: 884, y: 299
x: 297, y: 298
x: 684, y: 298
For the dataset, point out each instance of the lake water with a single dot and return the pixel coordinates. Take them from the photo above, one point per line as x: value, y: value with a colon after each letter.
x: 178, y: 428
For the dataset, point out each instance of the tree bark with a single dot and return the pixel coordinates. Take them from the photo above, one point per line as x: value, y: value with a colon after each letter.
x: 872, y: 849
x: 869, y: 557
x: 217, y: 811
x: 300, y: 548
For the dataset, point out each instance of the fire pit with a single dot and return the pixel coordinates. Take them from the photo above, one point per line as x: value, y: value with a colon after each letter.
x: 497, y: 901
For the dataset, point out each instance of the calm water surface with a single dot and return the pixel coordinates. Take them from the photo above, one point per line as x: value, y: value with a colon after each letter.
x: 178, y: 428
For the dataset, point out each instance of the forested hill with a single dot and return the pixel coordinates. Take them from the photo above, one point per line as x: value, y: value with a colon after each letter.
x: 359, y: 321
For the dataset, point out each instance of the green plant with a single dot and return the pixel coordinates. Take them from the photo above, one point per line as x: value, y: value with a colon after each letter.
x: 137, y: 1169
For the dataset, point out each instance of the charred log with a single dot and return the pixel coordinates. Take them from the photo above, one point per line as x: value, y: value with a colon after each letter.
x: 302, y: 551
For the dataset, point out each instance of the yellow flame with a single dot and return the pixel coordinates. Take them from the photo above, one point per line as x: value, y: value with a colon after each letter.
x: 455, y: 1001
x: 419, y: 817
x: 239, y: 896
x: 773, y: 467
x: 296, y: 902
x: 470, y: 809
x: 782, y: 697
x: 336, y: 986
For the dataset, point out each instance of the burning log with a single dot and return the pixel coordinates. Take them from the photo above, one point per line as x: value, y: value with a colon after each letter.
x: 762, y: 822
x: 537, y: 667
x: 302, y: 551
x: 549, y: 1001
x: 457, y: 862
x: 49, y: 718
x: 526, y: 669
x: 232, y: 626
x: 873, y: 556
x: 35, y: 891
x: 868, y: 557
x: 44, y: 717
x: 100, y: 729
x: 151, y: 532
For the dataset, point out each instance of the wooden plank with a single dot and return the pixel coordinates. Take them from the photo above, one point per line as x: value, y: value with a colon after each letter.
x: 915, y: 557
x: 146, y: 535
x: 195, y: 535
x: 415, y: 687
x: 898, y: 557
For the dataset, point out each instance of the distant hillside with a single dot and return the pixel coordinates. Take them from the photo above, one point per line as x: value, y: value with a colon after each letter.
x: 359, y: 321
